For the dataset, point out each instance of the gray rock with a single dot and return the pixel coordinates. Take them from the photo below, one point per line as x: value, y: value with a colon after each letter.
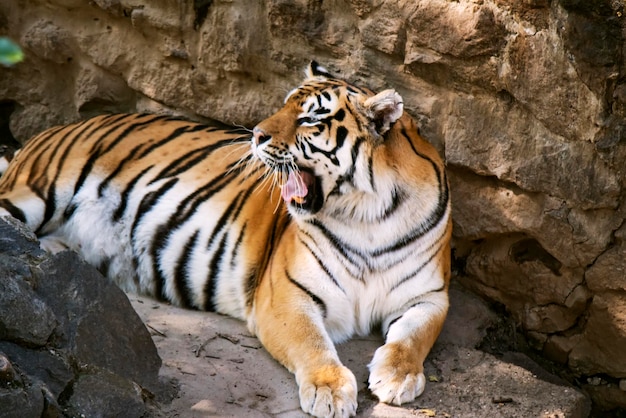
x: 24, y: 317
x: 65, y: 330
x: 97, y: 322
x: 21, y: 402
x: 50, y: 367
x: 103, y: 395
x: 21, y: 244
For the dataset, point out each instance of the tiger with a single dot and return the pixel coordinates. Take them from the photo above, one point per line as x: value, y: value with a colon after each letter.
x: 331, y: 218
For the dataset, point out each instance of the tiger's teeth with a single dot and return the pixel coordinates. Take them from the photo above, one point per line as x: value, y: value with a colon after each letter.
x: 298, y: 199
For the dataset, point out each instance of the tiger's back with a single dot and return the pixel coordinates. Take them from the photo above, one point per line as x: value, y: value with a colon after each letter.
x: 162, y: 206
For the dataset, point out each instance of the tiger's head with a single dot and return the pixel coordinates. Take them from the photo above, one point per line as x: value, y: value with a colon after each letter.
x: 319, y: 146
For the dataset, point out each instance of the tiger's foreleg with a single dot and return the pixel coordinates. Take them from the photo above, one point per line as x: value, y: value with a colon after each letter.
x: 290, y: 325
x: 397, y: 368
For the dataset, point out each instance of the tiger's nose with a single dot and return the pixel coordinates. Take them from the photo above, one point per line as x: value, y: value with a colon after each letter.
x: 259, y: 136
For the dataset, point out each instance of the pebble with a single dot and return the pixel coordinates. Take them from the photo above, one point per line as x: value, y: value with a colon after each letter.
x: 7, y: 373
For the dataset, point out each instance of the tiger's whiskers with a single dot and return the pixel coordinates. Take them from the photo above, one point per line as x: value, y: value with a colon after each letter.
x: 245, y: 160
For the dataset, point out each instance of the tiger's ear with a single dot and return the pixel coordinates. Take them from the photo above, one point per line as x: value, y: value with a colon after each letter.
x: 383, y: 110
x: 314, y: 70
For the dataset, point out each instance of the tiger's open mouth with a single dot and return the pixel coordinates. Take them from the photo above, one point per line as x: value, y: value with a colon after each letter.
x: 302, y: 189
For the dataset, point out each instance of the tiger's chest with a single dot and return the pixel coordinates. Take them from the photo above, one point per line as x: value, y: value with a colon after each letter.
x: 363, y: 278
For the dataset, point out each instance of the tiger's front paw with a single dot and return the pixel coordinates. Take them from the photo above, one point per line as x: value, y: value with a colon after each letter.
x: 395, y: 375
x: 329, y: 392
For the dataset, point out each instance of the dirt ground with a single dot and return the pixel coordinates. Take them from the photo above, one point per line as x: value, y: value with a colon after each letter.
x: 223, y: 371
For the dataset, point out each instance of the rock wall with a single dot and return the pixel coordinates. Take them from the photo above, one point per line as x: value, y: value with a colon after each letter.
x: 526, y: 100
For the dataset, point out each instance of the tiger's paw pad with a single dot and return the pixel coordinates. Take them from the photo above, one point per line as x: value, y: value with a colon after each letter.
x: 394, y: 382
x: 331, y: 395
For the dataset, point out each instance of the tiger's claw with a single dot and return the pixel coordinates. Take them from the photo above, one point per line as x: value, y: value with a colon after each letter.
x: 329, y: 393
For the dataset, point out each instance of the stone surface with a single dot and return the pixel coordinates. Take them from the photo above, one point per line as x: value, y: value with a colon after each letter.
x: 525, y: 99
x: 70, y: 342
x: 223, y: 371
x: 95, y: 322
x: 607, y: 322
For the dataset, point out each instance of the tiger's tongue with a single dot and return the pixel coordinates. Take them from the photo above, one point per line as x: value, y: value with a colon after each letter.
x: 296, y: 187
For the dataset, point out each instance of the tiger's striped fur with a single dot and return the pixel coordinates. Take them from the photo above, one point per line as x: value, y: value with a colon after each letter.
x: 332, y: 216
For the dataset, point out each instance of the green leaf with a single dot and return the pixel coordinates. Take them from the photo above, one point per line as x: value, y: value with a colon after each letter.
x: 10, y: 52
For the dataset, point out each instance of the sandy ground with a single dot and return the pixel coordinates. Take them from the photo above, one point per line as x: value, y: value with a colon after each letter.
x: 223, y: 371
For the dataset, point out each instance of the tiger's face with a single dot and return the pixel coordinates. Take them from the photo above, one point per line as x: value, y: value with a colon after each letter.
x: 318, y: 147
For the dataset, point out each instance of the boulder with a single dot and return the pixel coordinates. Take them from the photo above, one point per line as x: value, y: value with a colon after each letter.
x: 68, y: 337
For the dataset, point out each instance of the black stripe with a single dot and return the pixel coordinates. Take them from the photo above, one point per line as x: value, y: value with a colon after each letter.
x: 422, y: 302
x: 441, y: 175
x: 312, y: 295
x: 148, y: 149
x: 169, y: 138
x: 190, y: 159
x: 210, y: 286
x: 432, y: 221
x: 250, y: 284
x: 16, y: 212
x: 340, y: 246
x: 323, y: 266
x: 181, y: 284
x: 231, y: 214
x: 224, y: 220
x: 35, y: 146
x: 101, y: 146
x: 38, y: 178
x: 436, y: 215
x: 424, y: 264
x: 370, y: 168
x: 349, y: 175
x: 117, y: 215
x: 149, y: 201
x: 186, y: 208
x: 189, y: 205
x: 98, y: 151
x: 397, y: 198
x: 69, y: 211
x: 393, y: 321
x: 305, y: 119
x: 279, y: 224
x: 418, y: 300
x: 49, y: 197
x: 145, y: 206
x: 235, y: 252
x: 411, y: 304
x: 129, y: 158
